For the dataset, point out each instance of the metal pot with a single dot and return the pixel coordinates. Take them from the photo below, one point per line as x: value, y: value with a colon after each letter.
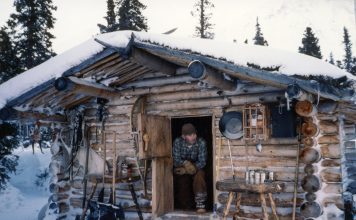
x: 230, y: 125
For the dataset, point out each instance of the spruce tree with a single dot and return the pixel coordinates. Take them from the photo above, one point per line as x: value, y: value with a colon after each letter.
x: 202, y: 11
x: 259, y: 39
x: 130, y: 15
x: 110, y: 18
x: 310, y: 44
x: 32, y: 23
x: 348, y: 51
x: 331, y: 59
x: 8, y: 60
x: 9, y: 140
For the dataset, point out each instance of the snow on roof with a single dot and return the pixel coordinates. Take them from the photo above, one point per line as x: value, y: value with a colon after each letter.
x: 290, y: 63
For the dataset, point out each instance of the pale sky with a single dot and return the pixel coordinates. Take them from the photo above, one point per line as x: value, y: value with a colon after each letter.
x: 283, y: 21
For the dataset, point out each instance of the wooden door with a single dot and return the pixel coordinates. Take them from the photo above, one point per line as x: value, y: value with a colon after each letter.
x: 154, y: 136
x: 155, y: 142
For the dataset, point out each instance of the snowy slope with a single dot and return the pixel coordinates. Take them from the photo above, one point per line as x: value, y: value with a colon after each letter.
x: 283, y: 21
x: 23, y: 199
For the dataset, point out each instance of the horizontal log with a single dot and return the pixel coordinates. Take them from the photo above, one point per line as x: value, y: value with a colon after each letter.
x: 183, y: 113
x: 267, y: 151
x: 331, y: 163
x: 215, y: 102
x: 80, y: 86
x: 253, y: 199
x: 226, y: 173
x: 327, y: 107
x: 255, y: 212
x: 328, y: 127
x: 210, y: 76
x: 331, y: 175
x: 263, y: 162
x: 332, y: 151
x: 328, y: 139
x: 56, y: 197
x: 270, y: 141
x: 239, y: 185
x: 333, y: 199
x: 332, y: 188
x: 327, y: 117
x: 59, y: 188
x: 158, y: 82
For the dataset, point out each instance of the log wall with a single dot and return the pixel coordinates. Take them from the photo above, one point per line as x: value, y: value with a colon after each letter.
x: 278, y: 154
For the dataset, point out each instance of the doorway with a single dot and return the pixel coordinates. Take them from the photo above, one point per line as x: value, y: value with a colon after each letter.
x: 203, y: 126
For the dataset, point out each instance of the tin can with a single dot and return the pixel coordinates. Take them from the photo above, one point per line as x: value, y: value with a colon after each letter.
x: 257, y: 177
x: 271, y: 175
x: 247, y: 176
x: 263, y: 176
x: 252, y: 177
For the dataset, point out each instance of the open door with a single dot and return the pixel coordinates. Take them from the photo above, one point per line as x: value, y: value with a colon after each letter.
x: 155, y: 143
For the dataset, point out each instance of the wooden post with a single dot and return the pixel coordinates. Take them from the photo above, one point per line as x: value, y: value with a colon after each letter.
x: 273, y: 206
x: 238, y: 201
x: 162, y: 186
x: 228, y: 204
x: 264, y: 206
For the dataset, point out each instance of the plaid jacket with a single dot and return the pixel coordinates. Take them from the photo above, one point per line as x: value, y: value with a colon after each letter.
x: 196, y: 154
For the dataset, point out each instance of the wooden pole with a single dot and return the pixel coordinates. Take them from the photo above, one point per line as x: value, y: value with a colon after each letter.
x: 114, y: 171
x: 80, y: 86
x: 297, y: 170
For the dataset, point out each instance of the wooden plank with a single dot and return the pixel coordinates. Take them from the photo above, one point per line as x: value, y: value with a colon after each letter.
x: 162, y: 186
x: 154, y: 136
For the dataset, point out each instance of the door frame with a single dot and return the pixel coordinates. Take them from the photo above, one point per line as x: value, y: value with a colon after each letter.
x: 214, y: 150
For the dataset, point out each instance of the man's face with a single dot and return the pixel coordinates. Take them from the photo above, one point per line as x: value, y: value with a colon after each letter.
x: 190, y: 138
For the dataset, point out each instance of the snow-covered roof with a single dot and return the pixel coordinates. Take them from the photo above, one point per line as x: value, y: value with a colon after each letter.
x: 289, y: 63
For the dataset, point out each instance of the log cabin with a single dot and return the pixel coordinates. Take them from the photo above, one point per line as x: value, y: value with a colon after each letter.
x: 116, y: 102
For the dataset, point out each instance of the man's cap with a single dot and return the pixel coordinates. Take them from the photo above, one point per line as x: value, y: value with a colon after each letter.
x: 188, y: 128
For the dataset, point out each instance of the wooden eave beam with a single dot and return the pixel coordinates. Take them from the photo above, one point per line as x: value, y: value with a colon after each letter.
x: 153, y: 62
x: 79, y: 86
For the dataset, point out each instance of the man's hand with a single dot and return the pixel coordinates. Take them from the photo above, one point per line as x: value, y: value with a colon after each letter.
x: 180, y: 170
x: 189, y: 167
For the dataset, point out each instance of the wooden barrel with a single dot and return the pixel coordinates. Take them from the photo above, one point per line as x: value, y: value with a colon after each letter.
x: 308, y: 142
x: 309, y: 129
x: 310, y: 210
x: 309, y: 155
x: 311, y: 183
x: 305, y: 108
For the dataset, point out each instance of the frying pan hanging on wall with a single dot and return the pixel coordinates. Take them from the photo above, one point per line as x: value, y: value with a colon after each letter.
x: 230, y: 125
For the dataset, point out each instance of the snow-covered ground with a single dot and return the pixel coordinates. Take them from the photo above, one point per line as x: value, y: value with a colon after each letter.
x: 23, y: 199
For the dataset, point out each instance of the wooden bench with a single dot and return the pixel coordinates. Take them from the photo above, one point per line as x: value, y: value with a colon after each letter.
x: 238, y: 186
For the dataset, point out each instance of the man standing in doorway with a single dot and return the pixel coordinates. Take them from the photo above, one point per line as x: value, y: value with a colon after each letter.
x: 189, y: 160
